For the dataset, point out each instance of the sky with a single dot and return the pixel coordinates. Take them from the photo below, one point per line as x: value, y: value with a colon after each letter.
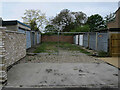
x: 14, y: 10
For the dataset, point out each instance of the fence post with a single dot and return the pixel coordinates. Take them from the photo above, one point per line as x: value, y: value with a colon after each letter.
x: 78, y: 38
x: 96, y: 41
x: 109, y: 43
x: 3, y: 70
x: 88, y: 38
x: 0, y: 22
x: 58, y: 42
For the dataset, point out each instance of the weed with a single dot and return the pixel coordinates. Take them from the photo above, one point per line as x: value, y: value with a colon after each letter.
x: 52, y: 47
x: 102, y: 54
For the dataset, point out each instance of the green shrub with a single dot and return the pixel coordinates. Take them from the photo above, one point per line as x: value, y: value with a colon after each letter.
x: 103, y: 54
x: 49, y: 33
x: 84, y: 28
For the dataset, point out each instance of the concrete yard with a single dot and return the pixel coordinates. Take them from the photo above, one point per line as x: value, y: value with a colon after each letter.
x: 63, y: 74
x: 112, y: 60
x: 64, y: 56
x: 68, y: 69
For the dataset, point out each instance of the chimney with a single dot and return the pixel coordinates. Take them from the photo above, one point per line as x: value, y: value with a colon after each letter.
x: 0, y: 22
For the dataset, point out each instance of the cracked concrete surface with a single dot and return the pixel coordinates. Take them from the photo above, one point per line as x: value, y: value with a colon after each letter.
x: 68, y: 69
x: 63, y: 74
x: 64, y: 56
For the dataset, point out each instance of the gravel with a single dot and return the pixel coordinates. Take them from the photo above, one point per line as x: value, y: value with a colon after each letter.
x: 64, y: 56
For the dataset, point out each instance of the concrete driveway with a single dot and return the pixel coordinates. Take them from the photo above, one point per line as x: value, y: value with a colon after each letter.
x: 63, y: 74
x: 112, y: 60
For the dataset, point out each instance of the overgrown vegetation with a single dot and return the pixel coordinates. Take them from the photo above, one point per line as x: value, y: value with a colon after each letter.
x: 49, y: 47
x: 72, y: 47
x: 56, y: 33
x: 84, y: 28
x: 103, y: 54
x: 52, y: 47
x: 50, y: 33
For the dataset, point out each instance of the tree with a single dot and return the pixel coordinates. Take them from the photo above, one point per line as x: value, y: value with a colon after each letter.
x: 50, y: 28
x: 109, y: 18
x: 62, y: 20
x: 96, y: 22
x: 66, y: 20
x: 80, y: 18
x: 33, y: 25
x: 84, y: 28
x: 34, y: 17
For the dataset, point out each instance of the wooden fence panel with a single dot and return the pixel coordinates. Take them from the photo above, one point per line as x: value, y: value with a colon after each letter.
x: 115, y: 45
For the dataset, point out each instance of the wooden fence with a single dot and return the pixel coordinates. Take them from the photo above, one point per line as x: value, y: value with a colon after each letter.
x: 115, y: 44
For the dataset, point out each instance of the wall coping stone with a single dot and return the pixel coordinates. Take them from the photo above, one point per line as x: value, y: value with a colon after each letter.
x: 14, y: 32
x: 2, y: 28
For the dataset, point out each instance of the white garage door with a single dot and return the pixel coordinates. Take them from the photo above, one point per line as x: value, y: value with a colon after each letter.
x: 81, y: 40
x: 76, y: 39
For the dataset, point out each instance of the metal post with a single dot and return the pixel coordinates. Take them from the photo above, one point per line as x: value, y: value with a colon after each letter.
x: 78, y: 39
x: 88, y: 39
x: 0, y: 22
x: 58, y: 43
x: 96, y: 41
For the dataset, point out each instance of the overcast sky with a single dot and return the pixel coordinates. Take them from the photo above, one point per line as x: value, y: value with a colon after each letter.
x: 15, y: 10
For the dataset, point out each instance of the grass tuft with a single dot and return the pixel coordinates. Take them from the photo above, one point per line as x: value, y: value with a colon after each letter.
x: 102, y: 54
x: 52, y: 47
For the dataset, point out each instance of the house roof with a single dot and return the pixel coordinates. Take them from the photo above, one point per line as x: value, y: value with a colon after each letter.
x: 114, y: 29
x: 110, y: 29
x: 13, y: 22
x: 114, y: 13
x: 103, y: 30
x: 117, y: 10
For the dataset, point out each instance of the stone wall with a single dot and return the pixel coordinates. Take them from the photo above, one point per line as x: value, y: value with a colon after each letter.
x: 12, y: 49
x: 15, y: 46
x: 3, y: 74
x: 12, y: 27
x: 54, y: 38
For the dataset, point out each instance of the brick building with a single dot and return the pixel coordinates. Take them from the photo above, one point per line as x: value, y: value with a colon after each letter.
x: 116, y: 22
